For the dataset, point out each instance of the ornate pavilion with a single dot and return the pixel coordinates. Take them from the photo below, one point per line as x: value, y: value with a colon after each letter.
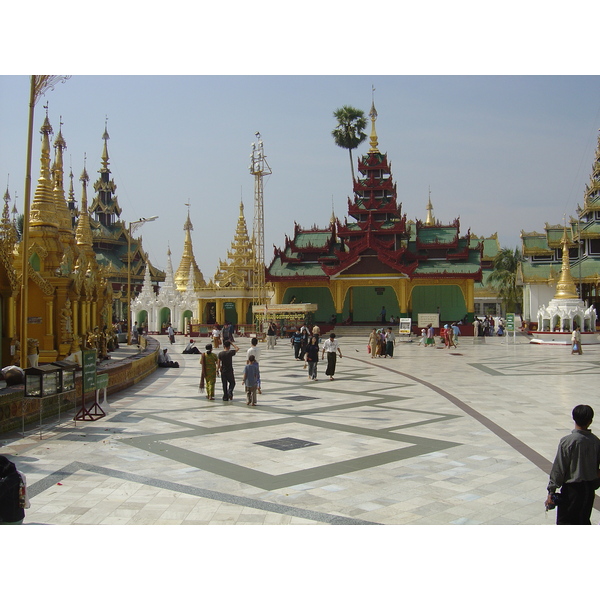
x: 112, y: 241
x: 68, y: 291
x: 78, y: 259
x: 375, y: 258
x: 187, y: 301
x: 543, y: 253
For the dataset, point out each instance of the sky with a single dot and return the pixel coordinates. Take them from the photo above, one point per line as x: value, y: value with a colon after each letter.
x: 502, y: 134
x: 502, y: 153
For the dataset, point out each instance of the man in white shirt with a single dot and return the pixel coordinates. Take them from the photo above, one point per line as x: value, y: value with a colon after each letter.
x: 331, y: 346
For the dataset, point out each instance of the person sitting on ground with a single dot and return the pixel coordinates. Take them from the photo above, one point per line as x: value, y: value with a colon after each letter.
x: 164, y: 360
x: 190, y: 348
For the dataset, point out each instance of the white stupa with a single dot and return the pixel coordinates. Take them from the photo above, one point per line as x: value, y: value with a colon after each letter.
x: 565, y: 311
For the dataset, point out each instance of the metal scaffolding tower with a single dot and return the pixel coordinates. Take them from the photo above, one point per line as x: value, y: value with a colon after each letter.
x: 260, y: 169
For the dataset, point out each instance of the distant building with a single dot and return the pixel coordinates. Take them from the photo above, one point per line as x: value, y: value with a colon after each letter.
x: 540, y: 271
x: 376, y: 259
x: 110, y: 237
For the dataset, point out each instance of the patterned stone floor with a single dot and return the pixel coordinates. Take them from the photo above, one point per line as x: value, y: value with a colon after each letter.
x: 430, y: 437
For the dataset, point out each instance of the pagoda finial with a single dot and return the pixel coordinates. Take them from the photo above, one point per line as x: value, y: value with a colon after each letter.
x: 373, y: 114
x: 565, y: 288
x: 83, y: 231
x: 105, y: 137
x: 429, y: 219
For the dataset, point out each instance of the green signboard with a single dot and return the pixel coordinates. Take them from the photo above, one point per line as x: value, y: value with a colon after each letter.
x: 228, y: 305
x: 510, y: 321
x: 102, y: 381
x: 89, y: 370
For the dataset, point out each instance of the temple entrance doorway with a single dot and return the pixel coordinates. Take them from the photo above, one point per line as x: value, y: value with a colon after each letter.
x: 446, y: 300
x: 210, y: 313
x: 164, y: 318
x: 142, y: 319
x: 365, y: 303
x: 186, y: 319
x: 230, y: 313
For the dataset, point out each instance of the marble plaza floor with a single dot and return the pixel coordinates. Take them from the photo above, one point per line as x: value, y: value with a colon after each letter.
x: 430, y: 437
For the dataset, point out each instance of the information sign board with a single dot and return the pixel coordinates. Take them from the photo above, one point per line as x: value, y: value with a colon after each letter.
x: 405, y: 325
x: 510, y: 321
x: 426, y: 318
x: 88, y: 358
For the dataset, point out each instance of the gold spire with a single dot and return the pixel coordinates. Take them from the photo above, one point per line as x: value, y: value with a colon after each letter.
x: 187, y: 258
x: 105, y: 156
x: 429, y: 220
x: 43, y: 212
x: 83, y: 233
x: 565, y: 288
x: 62, y: 211
x: 8, y: 234
x: 237, y: 272
x: 373, y: 137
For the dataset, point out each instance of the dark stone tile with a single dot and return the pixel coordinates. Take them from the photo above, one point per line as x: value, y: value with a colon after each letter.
x: 286, y: 444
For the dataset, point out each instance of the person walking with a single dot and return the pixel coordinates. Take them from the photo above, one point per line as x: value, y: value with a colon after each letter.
x: 227, y: 332
x: 373, y: 338
x: 430, y: 336
x: 316, y: 331
x: 390, y: 342
x: 311, y: 357
x: 208, y: 377
x: 450, y: 337
x: 250, y: 379
x: 576, y: 471
x: 171, y: 333
x: 382, y: 314
x: 331, y: 346
x: 216, y: 337
x: 576, y: 341
x: 296, y: 340
x: 456, y: 332
x: 255, y: 351
x: 225, y: 367
x: 271, y: 333
x: 13, y: 493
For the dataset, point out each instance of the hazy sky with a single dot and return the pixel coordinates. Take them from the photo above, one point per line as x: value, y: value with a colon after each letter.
x: 502, y: 152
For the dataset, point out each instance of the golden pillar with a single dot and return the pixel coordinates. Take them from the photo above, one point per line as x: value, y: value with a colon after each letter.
x: 238, y: 310
x: 220, y: 312
x: 75, y: 316
x: 12, y: 317
x: 201, y: 305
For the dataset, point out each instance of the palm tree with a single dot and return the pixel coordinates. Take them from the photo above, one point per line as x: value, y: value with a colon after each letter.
x: 504, y: 278
x: 349, y: 131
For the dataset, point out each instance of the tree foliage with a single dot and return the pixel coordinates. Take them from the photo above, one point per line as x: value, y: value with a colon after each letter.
x: 349, y: 132
x: 503, y: 279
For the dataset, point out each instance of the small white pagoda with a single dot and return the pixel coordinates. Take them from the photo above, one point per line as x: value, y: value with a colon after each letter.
x: 565, y: 311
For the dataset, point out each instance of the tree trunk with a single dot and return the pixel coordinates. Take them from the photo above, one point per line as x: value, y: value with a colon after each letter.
x: 351, y: 167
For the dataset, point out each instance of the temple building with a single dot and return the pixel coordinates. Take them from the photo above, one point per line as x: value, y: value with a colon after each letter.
x: 117, y: 250
x: 68, y: 294
x: 486, y: 299
x: 375, y: 259
x: 541, y: 269
x: 188, y: 302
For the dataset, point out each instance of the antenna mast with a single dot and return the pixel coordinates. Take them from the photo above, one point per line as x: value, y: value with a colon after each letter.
x: 260, y: 169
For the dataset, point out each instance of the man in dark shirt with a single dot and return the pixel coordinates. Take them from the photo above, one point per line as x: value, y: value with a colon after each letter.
x: 225, y: 366
x: 576, y: 471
